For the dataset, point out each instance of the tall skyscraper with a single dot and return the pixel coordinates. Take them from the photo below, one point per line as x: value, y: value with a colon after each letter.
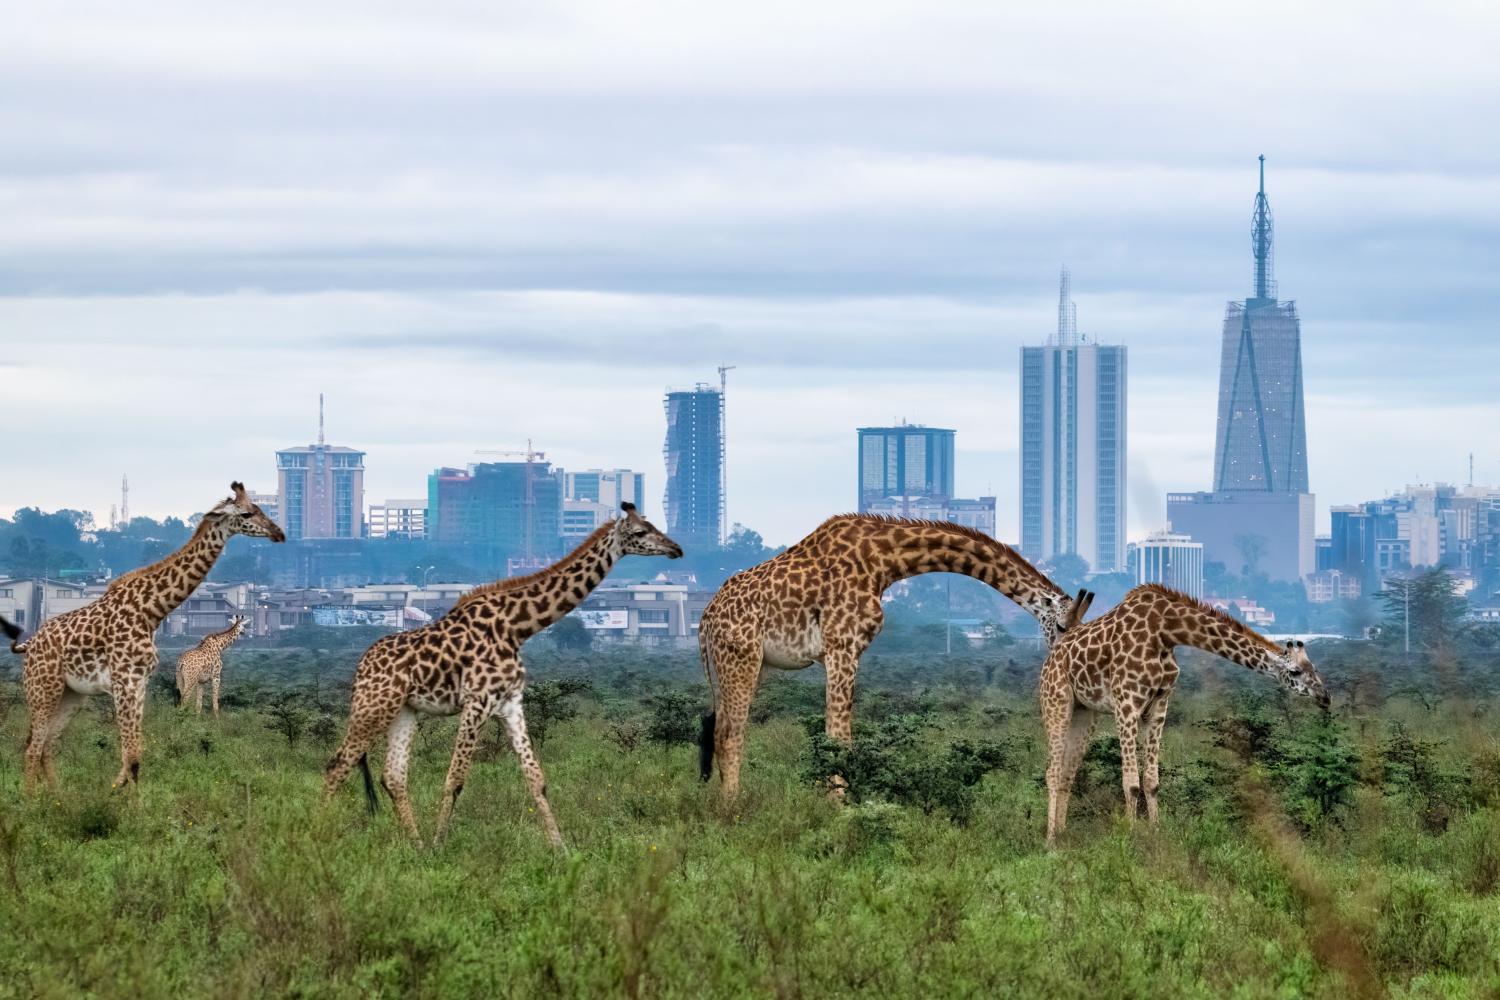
x: 1262, y: 435
x: 903, y: 464
x: 503, y: 510
x: 321, y: 489
x: 694, y: 453
x: 1259, y: 516
x: 1073, y: 445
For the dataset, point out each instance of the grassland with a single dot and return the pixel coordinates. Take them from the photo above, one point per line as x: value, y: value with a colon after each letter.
x: 1297, y: 857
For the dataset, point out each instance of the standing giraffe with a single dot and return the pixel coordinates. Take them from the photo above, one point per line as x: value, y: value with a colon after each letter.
x: 820, y: 600
x: 110, y: 645
x: 1122, y: 662
x: 468, y: 663
x: 205, y: 662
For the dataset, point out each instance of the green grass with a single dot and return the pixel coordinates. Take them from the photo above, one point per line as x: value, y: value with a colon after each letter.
x: 223, y: 877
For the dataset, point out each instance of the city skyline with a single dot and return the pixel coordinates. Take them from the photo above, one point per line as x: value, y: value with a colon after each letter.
x: 489, y: 245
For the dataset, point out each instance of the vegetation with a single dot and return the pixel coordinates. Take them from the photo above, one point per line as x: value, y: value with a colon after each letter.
x: 1297, y: 856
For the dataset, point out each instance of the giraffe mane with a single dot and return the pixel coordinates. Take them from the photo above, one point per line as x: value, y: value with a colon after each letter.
x: 1005, y: 551
x: 1178, y: 597
x: 499, y: 587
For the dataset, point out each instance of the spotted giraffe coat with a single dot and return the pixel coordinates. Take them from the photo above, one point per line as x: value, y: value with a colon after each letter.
x: 204, y: 664
x: 820, y: 601
x: 1123, y: 663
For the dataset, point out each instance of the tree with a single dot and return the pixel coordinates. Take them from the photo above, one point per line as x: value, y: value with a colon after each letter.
x: 1068, y: 570
x: 1429, y: 604
x: 569, y: 633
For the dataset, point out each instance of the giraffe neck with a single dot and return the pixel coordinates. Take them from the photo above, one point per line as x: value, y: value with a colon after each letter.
x: 561, y: 587
x: 935, y: 550
x: 219, y: 640
x: 1202, y: 629
x: 155, y: 591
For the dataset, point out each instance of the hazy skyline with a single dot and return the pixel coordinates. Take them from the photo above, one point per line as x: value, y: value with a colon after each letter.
x: 470, y: 226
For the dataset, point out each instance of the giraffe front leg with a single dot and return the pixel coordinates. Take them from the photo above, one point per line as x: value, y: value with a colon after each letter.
x: 1127, y: 725
x: 476, y: 711
x: 217, y: 674
x: 838, y: 723
x: 129, y: 690
x: 515, y: 725
x: 1156, y: 718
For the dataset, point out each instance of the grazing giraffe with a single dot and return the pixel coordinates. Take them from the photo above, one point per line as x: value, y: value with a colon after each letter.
x: 820, y: 600
x: 110, y: 645
x: 205, y: 662
x: 469, y: 663
x: 1122, y: 662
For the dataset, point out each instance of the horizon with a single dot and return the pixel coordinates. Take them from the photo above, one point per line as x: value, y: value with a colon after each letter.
x: 530, y: 224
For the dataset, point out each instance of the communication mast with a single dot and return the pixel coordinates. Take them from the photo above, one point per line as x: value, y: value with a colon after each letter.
x: 124, y: 500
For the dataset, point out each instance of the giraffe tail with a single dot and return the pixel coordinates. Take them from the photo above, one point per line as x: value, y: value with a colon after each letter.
x: 371, y: 799
x: 706, y: 746
x: 12, y: 632
x: 706, y: 726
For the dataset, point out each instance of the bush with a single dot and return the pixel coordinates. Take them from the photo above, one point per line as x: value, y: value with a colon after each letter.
x: 1409, y: 767
x: 1319, y: 772
x: 674, y: 719
x: 890, y: 762
x: 549, y: 702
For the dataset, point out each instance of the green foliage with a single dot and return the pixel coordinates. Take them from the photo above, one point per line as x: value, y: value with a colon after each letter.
x: 1428, y: 604
x: 674, y: 719
x: 1319, y: 770
x: 570, y: 634
x: 1411, y: 767
x: 891, y: 761
x: 549, y: 702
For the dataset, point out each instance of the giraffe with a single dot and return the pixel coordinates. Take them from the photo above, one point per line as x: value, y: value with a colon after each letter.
x: 204, y: 662
x: 820, y: 601
x: 1122, y: 662
x: 110, y: 645
x: 468, y: 663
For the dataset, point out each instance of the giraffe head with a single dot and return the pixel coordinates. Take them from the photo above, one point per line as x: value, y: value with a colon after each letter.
x: 238, y: 624
x: 1059, y: 612
x: 1296, y: 671
x: 240, y: 515
x: 637, y: 536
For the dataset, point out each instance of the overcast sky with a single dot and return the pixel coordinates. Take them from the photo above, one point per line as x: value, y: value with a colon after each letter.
x: 475, y: 223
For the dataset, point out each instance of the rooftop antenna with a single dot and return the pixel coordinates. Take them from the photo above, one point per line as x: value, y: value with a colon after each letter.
x: 124, y: 500
x: 1261, y: 233
x: 1471, y: 468
x: 320, y: 420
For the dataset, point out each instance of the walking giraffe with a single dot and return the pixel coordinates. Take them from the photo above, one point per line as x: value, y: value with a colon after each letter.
x: 1123, y: 662
x: 820, y: 601
x: 110, y: 645
x: 468, y: 663
x: 205, y: 662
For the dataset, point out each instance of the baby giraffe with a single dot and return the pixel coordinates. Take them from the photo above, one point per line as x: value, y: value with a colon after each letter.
x: 109, y: 646
x: 1122, y: 662
x: 204, y: 662
x: 468, y: 663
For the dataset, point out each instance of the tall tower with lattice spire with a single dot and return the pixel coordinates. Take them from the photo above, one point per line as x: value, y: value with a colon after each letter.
x: 1262, y: 436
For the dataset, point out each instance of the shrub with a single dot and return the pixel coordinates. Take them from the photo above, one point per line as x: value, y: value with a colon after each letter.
x: 1409, y: 767
x: 1319, y: 772
x: 674, y: 719
x: 549, y: 702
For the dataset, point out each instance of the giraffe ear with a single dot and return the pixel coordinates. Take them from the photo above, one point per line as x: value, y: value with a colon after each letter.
x: 627, y: 506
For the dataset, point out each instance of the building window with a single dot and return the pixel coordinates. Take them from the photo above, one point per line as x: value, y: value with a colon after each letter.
x: 655, y: 617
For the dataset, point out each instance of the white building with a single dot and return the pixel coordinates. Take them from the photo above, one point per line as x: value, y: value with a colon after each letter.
x: 1073, y: 446
x: 399, y: 519
x: 607, y: 487
x: 1171, y: 560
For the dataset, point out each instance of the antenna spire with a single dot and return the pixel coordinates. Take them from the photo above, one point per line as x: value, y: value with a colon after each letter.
x: 1261, y: 233
x: 1067, y: 312
x: 320, y: 420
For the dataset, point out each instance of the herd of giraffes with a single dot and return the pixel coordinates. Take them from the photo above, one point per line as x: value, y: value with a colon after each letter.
x: 819, y: 601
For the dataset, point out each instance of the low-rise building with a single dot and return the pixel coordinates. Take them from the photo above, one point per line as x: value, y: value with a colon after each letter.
x: 652, y: 612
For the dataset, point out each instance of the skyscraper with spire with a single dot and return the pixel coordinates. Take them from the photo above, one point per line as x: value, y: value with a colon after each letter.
x: 321, y: 489
x: 1073, y: 445
x: 1262, y: 435
x: 1259, y: 516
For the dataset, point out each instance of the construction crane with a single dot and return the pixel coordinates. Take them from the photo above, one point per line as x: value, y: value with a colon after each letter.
x: 529, y: 504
